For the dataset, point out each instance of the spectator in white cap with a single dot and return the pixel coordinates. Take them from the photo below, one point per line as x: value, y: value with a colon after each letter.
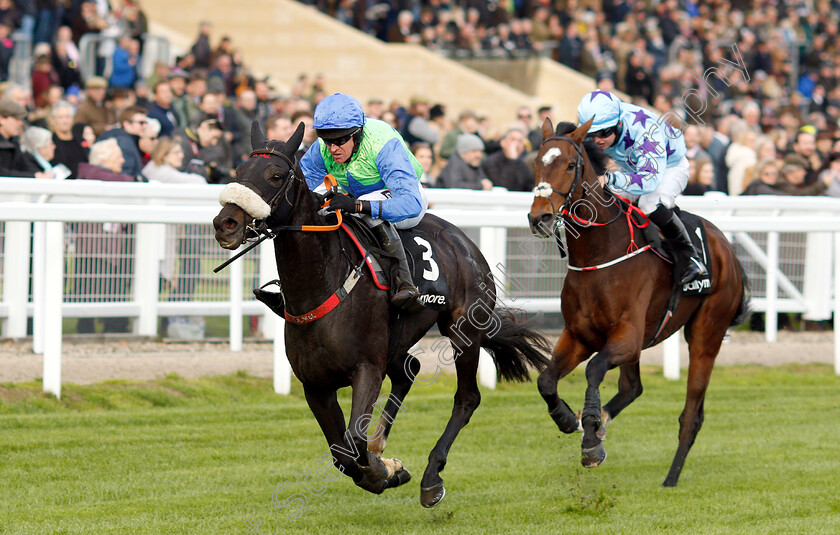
x: 463, y: 168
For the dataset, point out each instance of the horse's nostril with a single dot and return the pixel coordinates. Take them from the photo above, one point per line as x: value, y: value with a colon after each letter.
x: 545, y: 218
x: 229, y: 223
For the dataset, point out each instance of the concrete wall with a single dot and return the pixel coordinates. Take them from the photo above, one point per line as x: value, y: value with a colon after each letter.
x: 283, y: 39
x: 551, y: 83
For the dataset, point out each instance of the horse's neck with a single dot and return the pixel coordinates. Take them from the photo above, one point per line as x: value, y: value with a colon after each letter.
x: 309, y: 264
x: 607, y: 239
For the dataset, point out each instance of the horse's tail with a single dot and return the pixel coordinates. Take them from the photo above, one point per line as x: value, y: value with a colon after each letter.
x: 515, y: 346
x: 743, y: 311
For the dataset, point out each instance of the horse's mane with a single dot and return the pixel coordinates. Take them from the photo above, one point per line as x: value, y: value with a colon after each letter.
x: 597, y: 157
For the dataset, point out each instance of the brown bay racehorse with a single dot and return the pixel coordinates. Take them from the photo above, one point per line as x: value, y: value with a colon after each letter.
x: 616, y: 311
x: 363, y: 339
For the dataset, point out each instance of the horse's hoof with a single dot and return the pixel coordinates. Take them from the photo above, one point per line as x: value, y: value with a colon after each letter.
x: 592, y: 457
x: 400, y: 478
x: 393, y: 466
x: 431, y: 496
x: 376, y: 469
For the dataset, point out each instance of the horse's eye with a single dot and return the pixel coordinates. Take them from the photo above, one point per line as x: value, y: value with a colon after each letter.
x: 276, y: 177
x: 572, y: 165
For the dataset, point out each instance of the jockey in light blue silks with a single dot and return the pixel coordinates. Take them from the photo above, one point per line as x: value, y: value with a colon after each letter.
x: 653, y: 169
x: 372, y: 163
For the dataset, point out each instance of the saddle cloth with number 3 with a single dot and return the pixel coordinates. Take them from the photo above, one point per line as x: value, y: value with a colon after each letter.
x: 425, y: 268
x: 422, y: 260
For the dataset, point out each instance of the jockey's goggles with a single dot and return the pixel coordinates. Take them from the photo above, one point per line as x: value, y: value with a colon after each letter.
x: 605, y: 133
x: 339, y: 141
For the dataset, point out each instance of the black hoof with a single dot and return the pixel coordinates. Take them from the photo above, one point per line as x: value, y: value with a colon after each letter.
x: 375, y: 470
x: 431, y: 496
x: 671, y: 480
x: 400, y: 478
x: 592, y: 457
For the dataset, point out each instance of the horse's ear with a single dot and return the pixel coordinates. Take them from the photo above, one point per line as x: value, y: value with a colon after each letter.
x: 294, y: 142
x: 580, y: 132
x: 547, y: 129
x: 257, y: 137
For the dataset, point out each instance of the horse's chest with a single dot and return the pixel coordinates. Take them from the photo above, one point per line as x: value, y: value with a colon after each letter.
x: 321, y: 362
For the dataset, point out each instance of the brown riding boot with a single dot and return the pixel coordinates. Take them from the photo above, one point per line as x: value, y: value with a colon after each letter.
x: 404, y: 293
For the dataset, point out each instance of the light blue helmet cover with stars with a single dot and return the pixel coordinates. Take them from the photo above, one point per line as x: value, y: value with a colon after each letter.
x: 603, y: 106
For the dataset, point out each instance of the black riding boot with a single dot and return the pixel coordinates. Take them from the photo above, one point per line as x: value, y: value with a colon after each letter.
x: 273, y: 300
x: 673, y: 229
x: 404, y: 294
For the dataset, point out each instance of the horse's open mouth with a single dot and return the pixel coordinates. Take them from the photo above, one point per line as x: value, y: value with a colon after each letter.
x: 230, y: 226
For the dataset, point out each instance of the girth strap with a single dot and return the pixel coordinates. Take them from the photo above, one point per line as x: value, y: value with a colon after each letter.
x: 332, y: 301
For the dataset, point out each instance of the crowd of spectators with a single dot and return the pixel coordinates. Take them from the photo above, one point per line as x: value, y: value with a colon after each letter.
x: 783, y: 104
x: 767, y: 126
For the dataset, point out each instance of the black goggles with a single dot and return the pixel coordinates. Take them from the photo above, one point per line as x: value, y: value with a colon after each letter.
x: 605, y: 133
x: 339, y: 141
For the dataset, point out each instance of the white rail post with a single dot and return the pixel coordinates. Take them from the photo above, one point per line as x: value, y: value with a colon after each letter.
x: 817, y: 276
x: 236, y: 282
x: 282, y: 368
x: 53, y: 296
x: 268, y: 271
x: 16, y: 277
x: 671, y: 356
x: 493, y: 244
x: 837, y: 303
x: 146, y: 275
x: 771, y: 321
x: 38, y: 273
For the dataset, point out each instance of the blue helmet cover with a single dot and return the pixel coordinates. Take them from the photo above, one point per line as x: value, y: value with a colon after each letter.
x: 603, y: 106
x: 338, y: 111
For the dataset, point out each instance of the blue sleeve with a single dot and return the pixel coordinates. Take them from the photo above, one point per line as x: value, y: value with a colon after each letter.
x: 645, y: 163
x: 313, y: 167
x: 402, y: 181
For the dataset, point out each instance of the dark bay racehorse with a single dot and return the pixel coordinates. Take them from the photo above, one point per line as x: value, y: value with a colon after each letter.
x: 363, y: 339
x: 616, y: 311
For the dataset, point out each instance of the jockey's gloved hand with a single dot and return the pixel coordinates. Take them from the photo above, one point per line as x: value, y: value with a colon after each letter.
x: 347, y: 203
x: 320, y: 199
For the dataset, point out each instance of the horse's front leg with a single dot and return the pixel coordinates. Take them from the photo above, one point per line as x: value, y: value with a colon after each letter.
x: 613, y: 354
x: 376, y: 475
x: 629, y: 388
x: 401, y: 372
x: 567, y: 354
x: 324, y: 406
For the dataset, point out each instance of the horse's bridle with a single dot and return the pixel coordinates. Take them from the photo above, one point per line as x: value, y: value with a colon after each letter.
x: 544, y: 189
x: 258, y: 231
x: 283, y: 192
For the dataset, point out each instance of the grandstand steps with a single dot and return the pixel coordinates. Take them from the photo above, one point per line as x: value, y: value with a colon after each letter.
x: 283, y: 39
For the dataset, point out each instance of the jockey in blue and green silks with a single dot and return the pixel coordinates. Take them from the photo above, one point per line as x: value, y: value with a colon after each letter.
x: 372, y: 163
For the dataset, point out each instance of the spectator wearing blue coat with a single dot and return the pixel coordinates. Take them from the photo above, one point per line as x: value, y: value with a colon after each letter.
x: 126, y: 55
x: 161, y: 109
x: 133, y: 121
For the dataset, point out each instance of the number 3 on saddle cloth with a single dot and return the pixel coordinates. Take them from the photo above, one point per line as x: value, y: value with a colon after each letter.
x: 693, y: 225
x: 422, y: 259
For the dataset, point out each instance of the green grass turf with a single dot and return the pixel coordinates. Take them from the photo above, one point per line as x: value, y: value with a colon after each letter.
x: 205, y: 456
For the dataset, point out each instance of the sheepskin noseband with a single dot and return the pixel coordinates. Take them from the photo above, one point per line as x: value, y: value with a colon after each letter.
x: 245, y: 198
